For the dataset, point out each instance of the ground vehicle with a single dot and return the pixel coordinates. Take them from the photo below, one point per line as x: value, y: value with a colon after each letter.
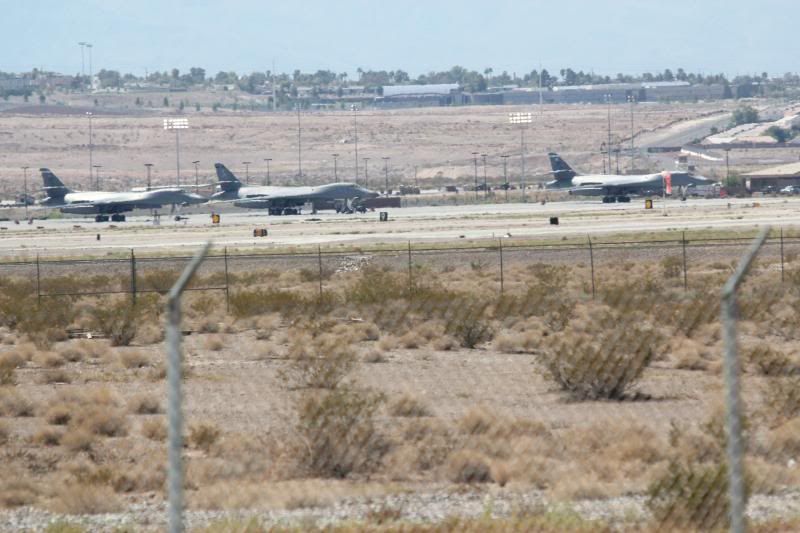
x: 790, y: 189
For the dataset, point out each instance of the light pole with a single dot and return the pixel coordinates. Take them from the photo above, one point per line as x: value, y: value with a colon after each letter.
x: 177, y: 124
x: 268, y: 159
x: 335, y: 167
x: 246, y: 171
x: 603, y: 151
x: 97, y: 176
x: 485, y: 184
x: 632, y: 100
x: 505, y: 174
x: 522, y: 119
x: 299, y: 145
x: 355, y: 130
x: 416, y: 183
x: 366, y: 172
x: 25, y: 189
x: 386, y: 173
x: 148, y: 166
x: 196, y: 176
x: 89, y: 114
x: 475, y: 160
x: 727, y: 167
x: 91, y: 85
x: 83, y: 68
x: 608, y: 145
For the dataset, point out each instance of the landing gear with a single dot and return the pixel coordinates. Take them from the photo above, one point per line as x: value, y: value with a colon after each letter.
x: 609, y: 199
x: 624, y: 199
x: 291, y: 211
x: 116, y: 217
x: 614, y: 199
x: 101, y: 218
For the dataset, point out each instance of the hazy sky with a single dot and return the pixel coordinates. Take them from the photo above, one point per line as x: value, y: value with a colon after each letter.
x: 630, y: 36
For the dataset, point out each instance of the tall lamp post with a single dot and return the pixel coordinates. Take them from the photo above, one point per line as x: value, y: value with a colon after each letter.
x: 97, y: 176
x: 475, y: 161
x: 505, y: 174
x: 89, y: 115
x: 91, y: 85
x: 148, y: 166
x: 25, y: 189
x: 632, y: 100
x: 366, y: 172
x: 196, y: 176
x: 727, y: 167
x: 335, y: 167
x: 485, y: 184
x: 386, y: 173
x: 355, y: 131
x: 177, y: 124
x: 246, y: 171
x: 83, y: 68
x: 299, y: 144
x: 608, y: 145
x: 522, y: 119
x: 268, y: 159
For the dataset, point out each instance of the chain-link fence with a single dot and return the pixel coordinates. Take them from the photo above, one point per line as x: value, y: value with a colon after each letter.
x: 508, y: 387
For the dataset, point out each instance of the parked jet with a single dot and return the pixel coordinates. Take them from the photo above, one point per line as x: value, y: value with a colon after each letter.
x: 616, y: 187
x: 107, y: 205
x: 288, y: 200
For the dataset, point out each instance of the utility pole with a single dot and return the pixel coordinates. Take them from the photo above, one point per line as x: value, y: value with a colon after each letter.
x: 89, y: 46
x: 83, y: 69
x: 97, y: 177
x: 505, y: 174
x: 485, y: 184
x: 632, y: 100
x: 416, y: 183
x: 608, y: 145
x: 25, y: 189
x: 196, y: 176
x: 523, y: 119
x: 89, y: 114
x: 246, y: 171
x: 475, y: 160
x: 268, y: 159
x: 386, y: 173
x: 148, y: 165
x: 335, y: 167
x: 299, y: 145
x: 366, y: 172
x: 355, y: 130
x: 727, y: 167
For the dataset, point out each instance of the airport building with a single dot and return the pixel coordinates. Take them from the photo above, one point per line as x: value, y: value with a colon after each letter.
x: 773, y: 177
x: 441, y: 94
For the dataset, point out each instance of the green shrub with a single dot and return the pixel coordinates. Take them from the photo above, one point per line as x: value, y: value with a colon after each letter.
x: 254, y: 302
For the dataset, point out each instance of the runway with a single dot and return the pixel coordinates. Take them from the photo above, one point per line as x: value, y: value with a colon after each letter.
x: 71, y: 237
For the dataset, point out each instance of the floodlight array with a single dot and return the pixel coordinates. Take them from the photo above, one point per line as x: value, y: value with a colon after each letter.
x: 176, y: 123
x: 520, y: 118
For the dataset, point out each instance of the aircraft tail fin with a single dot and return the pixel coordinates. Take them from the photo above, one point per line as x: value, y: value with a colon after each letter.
x: 53, y: 186
x: 561, y: 170
x: 227, y: 181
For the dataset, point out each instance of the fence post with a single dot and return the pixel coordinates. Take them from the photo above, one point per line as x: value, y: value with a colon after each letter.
x: 319, y: 261
x: 174, y: 399
x: 410, y: 281
x: 502, y: 284
x: 782, y: 273
x: 133, y: 277
x: 227, y: 283
x: 685, y: 278
x: 731, y: 371
x: 591, y: 264
x: 38, y: 282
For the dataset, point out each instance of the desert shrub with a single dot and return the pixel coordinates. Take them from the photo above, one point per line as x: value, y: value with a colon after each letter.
x: 15, y: 492
x: 338, y: 432
x: 214, y: 343
x: 672, y: 266
x: 203, y: 436
x: 308, y: 275
x: 154, y: 429
x: 77, y: 440
x: 5, y: 433
x: 12, y: 403
x: 72, y: 354
x: 118, y: 320
x: 48, y: 436
x: 782, y: 398
x: 686, y: 313
x: 61, y: 526
x: 81, y: 499
x: 8, y: 370
x: 144, y: 405
x: 134, y: 359
x: 476, y: 421
x: 770, y: 362
x: 468, y: 466
x: 204, y: 305
x: 469, y: 325
x: 49, y: 359
x: 376, y: 286
x: 54, y: 376
x: 319, y: 363
x: 602, y: 359
x: 691, y: 497
x: 101, y: 420
x: 408, y: 406
x: 58, y: 415
x: 246, y: 303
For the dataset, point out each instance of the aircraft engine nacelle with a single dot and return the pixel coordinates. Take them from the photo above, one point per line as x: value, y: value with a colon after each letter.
x: 79, y: 209
x: 253, y: 204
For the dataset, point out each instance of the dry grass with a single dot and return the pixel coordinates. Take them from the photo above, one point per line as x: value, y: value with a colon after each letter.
x: 204, y: 435
x: 72, y: 353
x: 48, y: 436
x: 58, y: 415
x: 81, y: 498
x: 17, y: 492
x: 154, y: 429
x: 77, y: 439
x: 214, y: 343
x: 144, y: 404
x: 53, y: 377
x: 467, y: 466
x: 14, y: 404
x: 408, y: 406
x: 5, y: 433
x: 134, y: 359
x: 49, y: 360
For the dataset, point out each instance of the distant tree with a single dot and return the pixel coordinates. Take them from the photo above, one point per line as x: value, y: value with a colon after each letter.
x: 175, y: 74
x: 25, y: 97
x: 96, y: 102
x: 215, y: 106
x: 744, y: 115
x: 779, y: 134
x: 181, y: 105
x: 198, y: 75
x: 166, y: 102
x: 42, y: 98
x: 197, y: 106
